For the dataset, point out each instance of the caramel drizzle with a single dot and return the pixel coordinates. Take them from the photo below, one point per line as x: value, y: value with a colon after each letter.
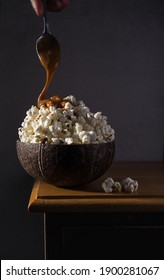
x: 48, y: 50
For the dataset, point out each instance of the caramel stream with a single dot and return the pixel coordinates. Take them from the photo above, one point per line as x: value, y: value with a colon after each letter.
x: 48, y: 51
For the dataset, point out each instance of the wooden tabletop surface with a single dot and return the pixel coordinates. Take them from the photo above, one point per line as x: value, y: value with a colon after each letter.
x: 92, y: 198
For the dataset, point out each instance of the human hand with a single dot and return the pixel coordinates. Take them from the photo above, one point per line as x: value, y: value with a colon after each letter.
x: 52, y: 6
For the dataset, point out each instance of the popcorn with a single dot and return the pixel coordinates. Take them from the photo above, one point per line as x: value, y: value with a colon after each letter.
x: 70, y: 99
x: 69, y: 140
x: 72, y: 124
x: 86, y: 139
x: 110, y: 186
x: 68, y: 106
x: 55, y: 140
x: 129, y: 185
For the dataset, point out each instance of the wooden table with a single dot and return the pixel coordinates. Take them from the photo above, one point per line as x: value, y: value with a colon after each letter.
x: 87, y: 223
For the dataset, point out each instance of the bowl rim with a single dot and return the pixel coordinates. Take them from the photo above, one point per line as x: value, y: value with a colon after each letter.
x: 69, y: 145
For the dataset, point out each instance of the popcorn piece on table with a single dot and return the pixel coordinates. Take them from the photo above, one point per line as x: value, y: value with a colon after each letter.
x: 129, y: 185
x: 110, y: 186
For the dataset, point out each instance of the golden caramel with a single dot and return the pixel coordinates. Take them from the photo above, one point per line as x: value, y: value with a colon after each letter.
x: 55, y: 100
x: 48, y: 51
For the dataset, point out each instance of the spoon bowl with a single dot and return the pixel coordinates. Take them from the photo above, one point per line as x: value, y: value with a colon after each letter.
x: 48, y: 50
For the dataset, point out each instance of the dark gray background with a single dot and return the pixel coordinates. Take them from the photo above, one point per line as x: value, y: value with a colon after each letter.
x: 112, y: 59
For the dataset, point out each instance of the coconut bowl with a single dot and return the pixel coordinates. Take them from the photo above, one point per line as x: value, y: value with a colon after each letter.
x: 65, y: 165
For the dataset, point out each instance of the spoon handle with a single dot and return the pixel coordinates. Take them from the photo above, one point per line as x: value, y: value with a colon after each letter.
x: 45, y: 19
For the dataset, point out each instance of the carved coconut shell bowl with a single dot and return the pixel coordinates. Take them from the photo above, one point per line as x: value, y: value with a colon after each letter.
x: 65, y: 165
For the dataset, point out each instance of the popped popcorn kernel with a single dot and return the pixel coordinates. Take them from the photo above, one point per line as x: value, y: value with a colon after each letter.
x: 129, y: 185
x: 110, y: 186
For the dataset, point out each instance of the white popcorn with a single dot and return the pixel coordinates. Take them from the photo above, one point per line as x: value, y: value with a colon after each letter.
x: 78, y: 127
x: 81, y: 120
x: 86, y: 139
x: 68, y: 106
x: 69, y: 140
x: 129, y: 185
x: 81, y: 134
x: 107, y: 185
x: 71, y: 99
x: 92, y: 136
x: 110, y: 186
x: 100, y: 138
x: 55, y: 140
x: 73, y: 124
x: 93, y: 122
x: 98, y: 116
